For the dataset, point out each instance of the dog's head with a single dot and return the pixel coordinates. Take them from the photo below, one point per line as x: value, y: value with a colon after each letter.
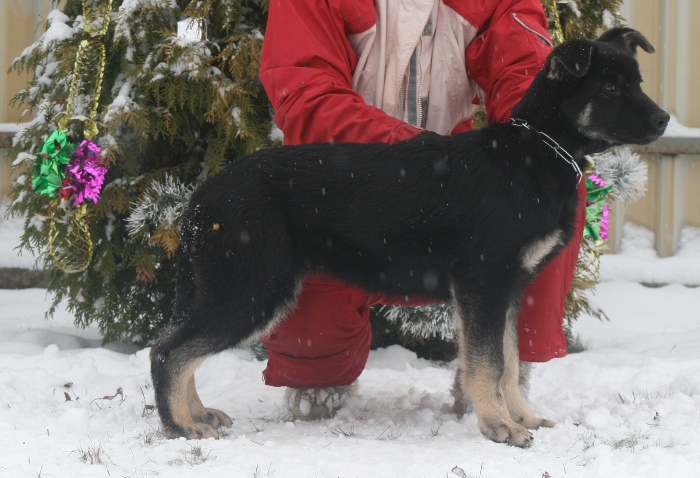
x: 597, y: 85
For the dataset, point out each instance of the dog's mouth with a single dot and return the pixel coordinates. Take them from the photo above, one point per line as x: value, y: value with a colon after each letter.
x: 622, y: 138
x: 650, y: 138
x: 618, y: 139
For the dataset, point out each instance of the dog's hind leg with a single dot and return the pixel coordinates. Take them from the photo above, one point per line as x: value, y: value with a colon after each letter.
x: 218, y: 321
x: 174, y: 360
x: 481, y: 322
x: 515, y: 402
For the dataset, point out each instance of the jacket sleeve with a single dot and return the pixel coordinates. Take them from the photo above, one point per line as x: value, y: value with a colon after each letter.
x: 306, y: 69
x: 508, y: 52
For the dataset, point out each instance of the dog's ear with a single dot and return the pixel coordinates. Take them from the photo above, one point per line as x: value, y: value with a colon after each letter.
x: 627, y: 39
x: 570, y: 58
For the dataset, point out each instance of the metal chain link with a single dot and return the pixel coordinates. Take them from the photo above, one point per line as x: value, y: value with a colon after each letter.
x: 549, y: 141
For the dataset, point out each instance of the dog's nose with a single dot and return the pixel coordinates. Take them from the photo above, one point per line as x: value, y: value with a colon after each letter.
x: 660, y: 120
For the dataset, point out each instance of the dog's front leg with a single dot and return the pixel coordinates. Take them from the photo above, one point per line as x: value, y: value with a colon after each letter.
x: 481, y: 321
x: 515, y: 402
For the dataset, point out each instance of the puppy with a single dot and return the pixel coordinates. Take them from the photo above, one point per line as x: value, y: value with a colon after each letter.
x: 470, y: 219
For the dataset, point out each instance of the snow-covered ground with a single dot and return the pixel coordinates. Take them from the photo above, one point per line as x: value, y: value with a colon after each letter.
x: 627, y: 407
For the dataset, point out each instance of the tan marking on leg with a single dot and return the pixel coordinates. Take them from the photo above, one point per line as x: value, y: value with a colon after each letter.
x: 516, y: 404
x: 193, y: 401
x: 202, y: 414
x: 462, y: 346
x: 481, y: 383
x: 179, y: 403
x: 483, y: 387
x: 489, y: 404
x: 179, y: 396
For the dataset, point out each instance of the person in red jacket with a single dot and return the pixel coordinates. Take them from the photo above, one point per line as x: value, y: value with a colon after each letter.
x: 385, y: 71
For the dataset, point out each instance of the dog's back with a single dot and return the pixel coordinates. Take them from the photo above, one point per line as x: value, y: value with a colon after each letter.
x: 376, y: 215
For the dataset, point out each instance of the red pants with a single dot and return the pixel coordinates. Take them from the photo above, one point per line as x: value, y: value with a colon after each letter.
x: 326, y: 340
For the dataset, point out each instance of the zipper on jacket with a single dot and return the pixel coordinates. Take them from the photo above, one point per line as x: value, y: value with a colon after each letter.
x: 412, y: 88
x: 541, y: 36
x: 422, y: 111
x: 419, y: 89
x: 413, y: 113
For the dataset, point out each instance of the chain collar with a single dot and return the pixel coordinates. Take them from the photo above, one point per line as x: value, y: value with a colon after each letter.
x: 546, y: 139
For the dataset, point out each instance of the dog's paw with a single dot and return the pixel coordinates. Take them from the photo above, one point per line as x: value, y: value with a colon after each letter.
x: 520, y: 437
x: 501, y: 430
x: 534, y: 423
x: 195, y: 432
x: 544, y: 423
x: 215, y: 418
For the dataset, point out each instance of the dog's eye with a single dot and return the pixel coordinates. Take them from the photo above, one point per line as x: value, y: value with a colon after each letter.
x: 610, y: 88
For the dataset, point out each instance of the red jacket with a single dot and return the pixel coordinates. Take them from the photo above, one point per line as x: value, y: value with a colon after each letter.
x: 309, y: 80
x: 308, y: 68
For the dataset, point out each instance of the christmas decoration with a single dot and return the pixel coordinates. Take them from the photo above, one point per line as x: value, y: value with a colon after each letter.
x: 88, y: 71
x: 551, y: 8
x: 84, y: 174
x: 70, y: 243
x: 426, y: 321
x: 622, y: 169
x: 50, y: 164
x: 156, y: 215
x: 597, y: 213
x: 581, y: 18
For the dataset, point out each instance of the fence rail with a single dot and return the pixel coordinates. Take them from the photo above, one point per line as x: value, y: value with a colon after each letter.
x: 671, y: 146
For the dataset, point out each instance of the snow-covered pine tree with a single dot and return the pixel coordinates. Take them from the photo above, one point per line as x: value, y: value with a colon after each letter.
x: 171, y: 112
x: 582, y: 18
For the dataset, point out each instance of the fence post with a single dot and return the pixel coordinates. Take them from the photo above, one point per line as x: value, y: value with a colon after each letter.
x: 672, y: 187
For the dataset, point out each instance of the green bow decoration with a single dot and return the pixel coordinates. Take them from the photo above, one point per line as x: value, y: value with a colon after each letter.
x: 50, y: 164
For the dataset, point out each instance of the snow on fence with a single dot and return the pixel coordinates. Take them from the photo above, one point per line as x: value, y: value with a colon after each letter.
x: 672, y: 201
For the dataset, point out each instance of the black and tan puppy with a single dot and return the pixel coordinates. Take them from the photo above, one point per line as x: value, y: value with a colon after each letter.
x: 470, y: 219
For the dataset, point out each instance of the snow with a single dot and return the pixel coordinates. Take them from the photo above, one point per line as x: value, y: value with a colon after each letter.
x: 676, y: 130
x: 122, y: 102
x: 637, y: 260
x: 627, y: 407
x: 58, y: 30
x: 11, y: 127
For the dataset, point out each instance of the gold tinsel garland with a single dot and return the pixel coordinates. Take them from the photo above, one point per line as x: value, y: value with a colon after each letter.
x: 70, y: 243
x: 557, y: 32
